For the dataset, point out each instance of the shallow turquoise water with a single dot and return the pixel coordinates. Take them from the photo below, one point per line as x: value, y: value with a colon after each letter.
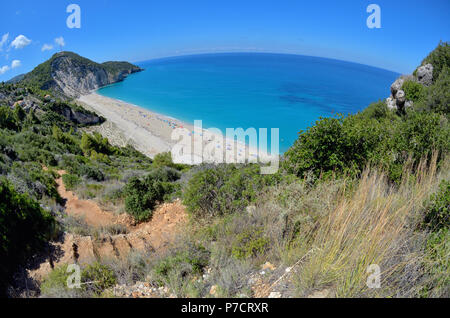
x: 289, y: 92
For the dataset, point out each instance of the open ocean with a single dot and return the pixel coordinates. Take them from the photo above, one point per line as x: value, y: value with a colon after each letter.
x: 259, y: 90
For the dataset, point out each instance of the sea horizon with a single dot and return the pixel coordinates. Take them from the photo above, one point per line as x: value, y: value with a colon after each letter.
x: 259, y: 90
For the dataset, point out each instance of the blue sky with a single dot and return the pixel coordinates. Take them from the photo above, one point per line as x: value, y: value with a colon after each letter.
x: 140, y: 30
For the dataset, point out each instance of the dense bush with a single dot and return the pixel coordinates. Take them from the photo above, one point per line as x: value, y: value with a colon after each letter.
x: 142, y: 195
x: 7, y: 119
x: 30, y: 178
x: 377, y: 110
x: 224, y: 189
x: 439, y: 58
x: 95, y: 143
x: 249, y: 243
x: 24, y: 228
x: 341, y: 145
x: 437, y: 215
x: 437, y: 96
x: 70, y: 181
x: 97, y: 277
x: 181, y: 264
x: 164, y: 159
x: 436, y: 265
x: 56, y: 283
x: 91, y: 172
x: 346, y: 145
x: 413, y: 90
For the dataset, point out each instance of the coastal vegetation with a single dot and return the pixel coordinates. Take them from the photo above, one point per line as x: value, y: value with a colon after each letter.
x: 372, y: 188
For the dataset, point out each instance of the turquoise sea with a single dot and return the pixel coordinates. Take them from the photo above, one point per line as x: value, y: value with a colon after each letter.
x: 259, y: 90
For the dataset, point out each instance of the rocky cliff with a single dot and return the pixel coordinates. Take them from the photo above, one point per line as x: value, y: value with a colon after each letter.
x: 398, y: 99
x: 71, y: 75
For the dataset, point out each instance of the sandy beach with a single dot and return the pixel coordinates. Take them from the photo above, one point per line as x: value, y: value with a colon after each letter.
x: 152, y: 133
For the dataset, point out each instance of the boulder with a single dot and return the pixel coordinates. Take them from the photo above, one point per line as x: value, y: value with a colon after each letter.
x: 425, y: 74
x: 400, y: 96
x: 391, y: 103
x: 397, y: 85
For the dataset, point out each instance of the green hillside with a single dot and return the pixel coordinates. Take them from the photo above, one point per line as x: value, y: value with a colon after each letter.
x: 353, y: 191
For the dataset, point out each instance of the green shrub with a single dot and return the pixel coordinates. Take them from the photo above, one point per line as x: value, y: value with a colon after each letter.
x: 377, y: 110
x: 24, y: 229
x: 95, y: 143
x: 164, y: 159
x: 413, y: 90
x: 337, y: 145
x: 97, y: 277
x: 419, y: 134
x: 181, y: 264
x: 439, y: 58
x: 437, y: 215
x: 7, y: 118
x: 91, y: 172
x: 142, y: 195
x: 224, y: 189
x: 250, y: 243
x: 437, y: 96
x: 55, y: 282
x: 436, y: 265
x: 346, y: 145
x: 71, y: 181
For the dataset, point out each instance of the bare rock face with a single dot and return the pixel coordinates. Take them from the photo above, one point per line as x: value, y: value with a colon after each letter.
x: 400, y: 96
x: 397, y: 85
x: 80, y: 117
x: 391, y: 103
x: 425, y: 74
x: 397, y: 100
x: 75, y: 79
x: 409, y: 103
x: 70, y: 75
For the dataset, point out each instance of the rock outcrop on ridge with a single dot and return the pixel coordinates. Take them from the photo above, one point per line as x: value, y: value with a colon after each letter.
x: 68, y: 74
x: 397, y: 99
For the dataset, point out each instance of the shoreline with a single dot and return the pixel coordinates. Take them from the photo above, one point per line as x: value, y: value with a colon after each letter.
x: 151, y: 133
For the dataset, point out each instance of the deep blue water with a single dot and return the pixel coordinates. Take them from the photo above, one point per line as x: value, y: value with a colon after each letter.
x: 289, y: 92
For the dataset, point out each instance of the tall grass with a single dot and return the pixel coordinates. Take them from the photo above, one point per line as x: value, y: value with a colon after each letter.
x: 374, y: 224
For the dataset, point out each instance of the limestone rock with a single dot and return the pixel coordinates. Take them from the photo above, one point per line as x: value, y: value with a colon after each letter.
x: 396, y: 86
x: 391, y: 103
x: 409, y: 103
x: 425, y: 74
x: 400, y: 96
x: 73, y: 75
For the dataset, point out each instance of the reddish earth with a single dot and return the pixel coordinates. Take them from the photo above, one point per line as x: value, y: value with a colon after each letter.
x: 87, y: 210
x: 154, y: 235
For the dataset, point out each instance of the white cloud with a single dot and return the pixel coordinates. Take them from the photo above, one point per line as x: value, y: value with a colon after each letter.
x: 4, y: 69
x: 47, y: 47
x: 20, y: 42
x: 3, y: 40
x: 60, y: 41
x: 15, y: 64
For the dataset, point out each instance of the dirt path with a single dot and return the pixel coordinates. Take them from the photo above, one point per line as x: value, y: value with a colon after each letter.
x: 152, y: 236
x: 87, y: 210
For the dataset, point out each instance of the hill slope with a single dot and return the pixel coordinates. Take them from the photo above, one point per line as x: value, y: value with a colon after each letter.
x: 69, y: 74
